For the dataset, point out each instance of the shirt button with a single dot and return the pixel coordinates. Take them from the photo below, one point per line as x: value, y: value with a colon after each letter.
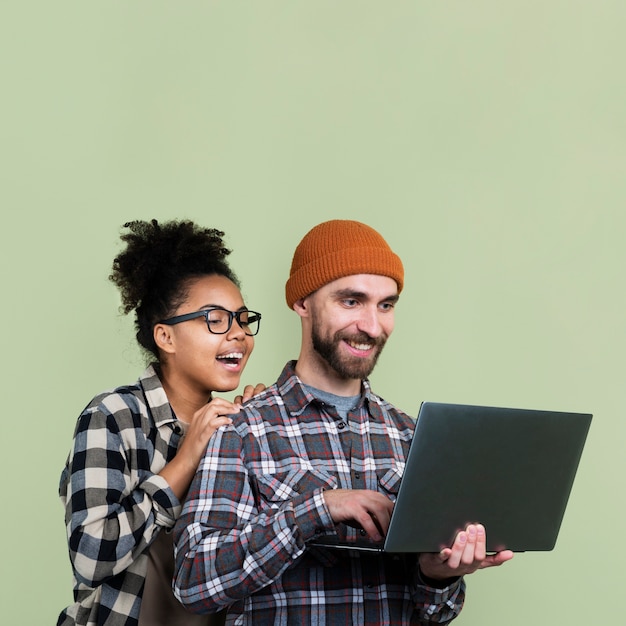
x: 357, y: 475
x: 362, y: 532
x: 341, y: 425
x: 177, y: 429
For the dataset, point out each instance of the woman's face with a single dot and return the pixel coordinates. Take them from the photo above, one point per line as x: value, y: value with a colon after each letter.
x: 197, y: 359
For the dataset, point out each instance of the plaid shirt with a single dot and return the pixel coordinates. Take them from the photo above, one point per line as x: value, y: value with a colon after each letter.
x: 114, y: 501
x: 257, y: 499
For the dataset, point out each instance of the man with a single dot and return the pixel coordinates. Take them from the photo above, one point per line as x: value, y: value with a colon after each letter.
x: 319, y: 454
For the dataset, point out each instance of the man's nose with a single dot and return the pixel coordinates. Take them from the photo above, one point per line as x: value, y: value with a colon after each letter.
x: 369, y: 322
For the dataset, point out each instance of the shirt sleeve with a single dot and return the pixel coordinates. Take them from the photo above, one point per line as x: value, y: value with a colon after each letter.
x: 114, y: 504
x: 437, y: 605
x: 226, y: 546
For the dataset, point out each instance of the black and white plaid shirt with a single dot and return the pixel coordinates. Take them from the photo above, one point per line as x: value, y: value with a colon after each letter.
x: 114, y: 501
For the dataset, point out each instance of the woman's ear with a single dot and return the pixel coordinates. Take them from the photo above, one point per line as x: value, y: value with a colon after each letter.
x: 163, y: 337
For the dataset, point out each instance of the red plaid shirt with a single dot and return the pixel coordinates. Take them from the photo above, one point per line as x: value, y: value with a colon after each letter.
x: 257, y: 501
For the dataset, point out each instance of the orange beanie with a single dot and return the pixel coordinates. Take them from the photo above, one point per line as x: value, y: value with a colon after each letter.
x: 339, y: 248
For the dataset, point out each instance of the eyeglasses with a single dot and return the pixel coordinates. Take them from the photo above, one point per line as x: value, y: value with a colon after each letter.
x: 219, y: 320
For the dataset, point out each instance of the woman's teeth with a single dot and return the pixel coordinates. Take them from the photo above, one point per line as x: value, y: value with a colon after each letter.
x: 231, y: 356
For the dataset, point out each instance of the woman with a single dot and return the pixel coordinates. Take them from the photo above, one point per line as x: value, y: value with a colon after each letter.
x: 136, y: 448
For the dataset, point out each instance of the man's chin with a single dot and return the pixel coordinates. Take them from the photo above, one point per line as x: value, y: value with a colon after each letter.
x: 356, y: 370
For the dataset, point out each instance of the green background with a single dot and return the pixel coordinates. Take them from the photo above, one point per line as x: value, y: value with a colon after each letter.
x: 485, y: 139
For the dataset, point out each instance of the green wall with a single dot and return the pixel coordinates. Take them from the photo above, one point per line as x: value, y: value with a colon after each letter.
x: 485, y: 139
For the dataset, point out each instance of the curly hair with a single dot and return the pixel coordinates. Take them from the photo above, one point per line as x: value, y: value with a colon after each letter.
x: 154, y: 271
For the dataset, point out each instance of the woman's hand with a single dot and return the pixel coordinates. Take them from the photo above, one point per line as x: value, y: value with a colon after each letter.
x: 250, y: 391
x: 180, y: 470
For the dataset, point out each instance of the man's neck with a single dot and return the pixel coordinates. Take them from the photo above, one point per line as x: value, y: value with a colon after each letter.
x: 322, y: 376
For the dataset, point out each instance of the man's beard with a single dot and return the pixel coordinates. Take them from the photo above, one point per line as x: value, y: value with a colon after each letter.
x: 347, y: 367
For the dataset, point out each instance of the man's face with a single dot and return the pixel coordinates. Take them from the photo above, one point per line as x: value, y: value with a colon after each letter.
x: 351, y: 320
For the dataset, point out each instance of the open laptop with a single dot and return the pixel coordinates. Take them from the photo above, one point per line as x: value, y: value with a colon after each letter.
x: 509, y: 469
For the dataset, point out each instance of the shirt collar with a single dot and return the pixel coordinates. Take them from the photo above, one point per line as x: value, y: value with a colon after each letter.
x: 297, y: 399
x: 156, y: 397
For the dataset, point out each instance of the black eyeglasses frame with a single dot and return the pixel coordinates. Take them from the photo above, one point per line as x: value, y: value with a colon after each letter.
x: 255, y: 315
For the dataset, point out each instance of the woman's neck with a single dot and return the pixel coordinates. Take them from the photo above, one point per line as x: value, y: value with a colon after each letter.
x: 184, y: 400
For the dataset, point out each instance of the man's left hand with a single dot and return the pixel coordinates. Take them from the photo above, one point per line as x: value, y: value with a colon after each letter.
x: 467, y: 554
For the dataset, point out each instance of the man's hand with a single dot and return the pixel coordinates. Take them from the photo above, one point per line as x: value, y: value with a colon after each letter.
x: 467, y: 554
x: 363, y: 508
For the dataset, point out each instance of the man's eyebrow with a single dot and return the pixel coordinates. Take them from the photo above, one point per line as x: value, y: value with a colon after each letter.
x: 349, y: 293
x: 360, y: 295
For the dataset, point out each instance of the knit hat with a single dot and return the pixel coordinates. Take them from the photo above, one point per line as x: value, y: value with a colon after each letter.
x: 339, y: 248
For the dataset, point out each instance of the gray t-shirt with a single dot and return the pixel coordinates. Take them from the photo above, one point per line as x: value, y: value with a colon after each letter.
x: 343, y: 404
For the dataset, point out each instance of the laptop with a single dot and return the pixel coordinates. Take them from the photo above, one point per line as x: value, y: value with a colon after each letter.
x: 510, y: 469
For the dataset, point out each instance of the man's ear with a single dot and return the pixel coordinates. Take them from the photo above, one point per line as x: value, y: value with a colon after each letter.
x: 301, y: 307
x: 163, y: 338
